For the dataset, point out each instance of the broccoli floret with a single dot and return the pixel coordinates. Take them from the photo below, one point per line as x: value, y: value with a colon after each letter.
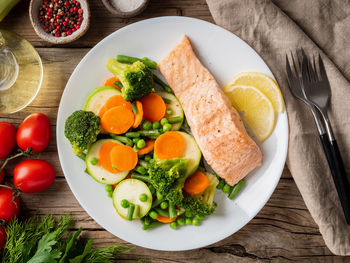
x: 202, y: 203
x: 137, y: 78
x: 81, y: 129
x: 168, y: 178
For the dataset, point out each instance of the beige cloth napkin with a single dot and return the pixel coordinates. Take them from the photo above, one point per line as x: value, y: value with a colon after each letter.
x: 273, y: 28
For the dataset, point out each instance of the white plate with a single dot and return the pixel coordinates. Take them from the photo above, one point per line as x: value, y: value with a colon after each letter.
x: 225, y: 55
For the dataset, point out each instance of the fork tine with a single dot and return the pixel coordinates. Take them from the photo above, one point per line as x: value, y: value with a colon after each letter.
x: 294, y: 64
x: 323, y: 74
x: 315, y: 68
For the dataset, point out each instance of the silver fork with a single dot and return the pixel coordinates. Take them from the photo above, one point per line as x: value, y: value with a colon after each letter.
x: 295, y: 84
x: 317, y: 90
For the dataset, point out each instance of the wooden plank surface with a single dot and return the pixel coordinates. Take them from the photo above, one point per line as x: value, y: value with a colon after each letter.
x: 282, y: 231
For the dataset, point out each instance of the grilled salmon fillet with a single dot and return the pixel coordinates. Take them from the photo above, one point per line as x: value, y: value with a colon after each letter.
x: 215, y: 124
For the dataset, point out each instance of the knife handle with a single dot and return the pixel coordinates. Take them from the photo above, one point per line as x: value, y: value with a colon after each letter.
x: 327, y: 150
x: 340, y: 180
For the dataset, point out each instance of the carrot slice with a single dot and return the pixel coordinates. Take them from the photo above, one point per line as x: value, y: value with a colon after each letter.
x: 196, y: 183
x: 153, y: 107
x: 110, y: 82
x: 104, y: 158
x: 164, y: 219
x: 114, y: 101
x: 117, y: 120
x: 123, y: 157
x: 139, y: 115
x: 169, y: 145
x: 147, y: 149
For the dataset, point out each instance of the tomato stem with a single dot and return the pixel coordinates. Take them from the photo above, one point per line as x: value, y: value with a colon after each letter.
x: 2, y: 222
x: 16, y: 191
x: 26, y: 153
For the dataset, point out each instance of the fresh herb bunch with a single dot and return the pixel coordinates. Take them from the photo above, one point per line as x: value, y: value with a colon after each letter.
x: 43, y: 241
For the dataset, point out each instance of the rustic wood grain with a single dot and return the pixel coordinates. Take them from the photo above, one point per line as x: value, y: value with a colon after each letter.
x: 282, y: 231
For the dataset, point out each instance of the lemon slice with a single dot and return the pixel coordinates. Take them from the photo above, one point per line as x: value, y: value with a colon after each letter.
x: 263, y: 83
x: 258, y: 111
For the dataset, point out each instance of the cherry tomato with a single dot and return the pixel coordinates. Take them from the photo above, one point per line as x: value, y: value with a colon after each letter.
x: 34, y: 132
x: 2, y: 237
x: 2, y: 175
x: 7, y: 138
x: 8, y: 208
x: 33, y: 176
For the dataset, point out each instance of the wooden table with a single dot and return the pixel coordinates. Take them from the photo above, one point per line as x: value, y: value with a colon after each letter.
x: 282, y: 231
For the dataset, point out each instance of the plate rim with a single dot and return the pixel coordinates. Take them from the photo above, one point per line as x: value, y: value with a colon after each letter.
x: 197, y: 245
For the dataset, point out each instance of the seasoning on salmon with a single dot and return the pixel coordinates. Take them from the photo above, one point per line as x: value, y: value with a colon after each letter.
x: 215, y: 124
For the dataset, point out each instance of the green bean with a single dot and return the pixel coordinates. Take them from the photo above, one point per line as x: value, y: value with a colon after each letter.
x: 152, y: 189
x: 166, y: 127
x: 220, y: 184
x: 157, y: 202
x: 164, y: 205
x: 124, y: 203
x: 130, y: 212
x: 226, y: 189
x: 162, y: 212
x: 122, y: 139
x: 148, y: 157
x: 155, y: 125
x: 169, y: 111
x: 167, y: 101
x: 236, y: 189
x: 154, y: 133
x: 86, y: 171
x: 172, y: 210
x: 154, y: 224
x: 153, y: 214
x: 159, y: 196
x: 173, y: 225
x: 132, y: 134
x: 141, y: 143
x: 82, y: 156
x: 143, y: 197
x: 94, y: 161
x: 135, y: 140
x: 109, y: 188
x: 147, y: 221
x: 134, y: 108
x: 129, y: 60
x: 118, y: 83
x: 140, y: 169
x: 147, y: 125
x: 135, y: 148
x: 143, y: 178
x: 165, y: 86
x: 143, y: 163
x: 176, y: 119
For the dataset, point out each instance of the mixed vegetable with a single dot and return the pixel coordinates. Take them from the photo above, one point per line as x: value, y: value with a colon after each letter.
x: 134, y: 138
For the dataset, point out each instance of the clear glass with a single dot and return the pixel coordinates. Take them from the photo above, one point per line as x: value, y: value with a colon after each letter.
x: 21, y: 72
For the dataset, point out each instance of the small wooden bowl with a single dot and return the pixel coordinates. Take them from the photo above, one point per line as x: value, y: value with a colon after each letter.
x: 118, y: 13
x: 34, y: 18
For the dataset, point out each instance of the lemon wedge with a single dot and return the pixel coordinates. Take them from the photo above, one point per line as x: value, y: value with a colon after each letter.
x: 262, y: 82
x: 256, y: 109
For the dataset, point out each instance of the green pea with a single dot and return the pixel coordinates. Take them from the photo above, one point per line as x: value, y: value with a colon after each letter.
x: 156, y: 125
x: 110, y: 194
x: 188, y: 221
x: 147, y: 125
x: 180, y: 221
x: 164, y: 205
x: 94, y: 161
x: 169, y: 111
x: 135, y: 148
x: 195, y: 221
x: 173, y: 225
x: 147, y: 221
x: 143, y: 197
x: 200, y: 217
x: 226, y: 189
x: 147, y: 158
x: 109, y: 188
x: 153, y: 214
x: 166, y: 127
x: 141, y: 143
x: 163, y: 121
x: 152, y: 189
x: 188, y: 214
x: 124, y: 203
x: 141, y: 170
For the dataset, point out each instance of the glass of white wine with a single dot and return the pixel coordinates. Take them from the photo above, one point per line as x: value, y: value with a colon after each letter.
x: 21, y: 72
